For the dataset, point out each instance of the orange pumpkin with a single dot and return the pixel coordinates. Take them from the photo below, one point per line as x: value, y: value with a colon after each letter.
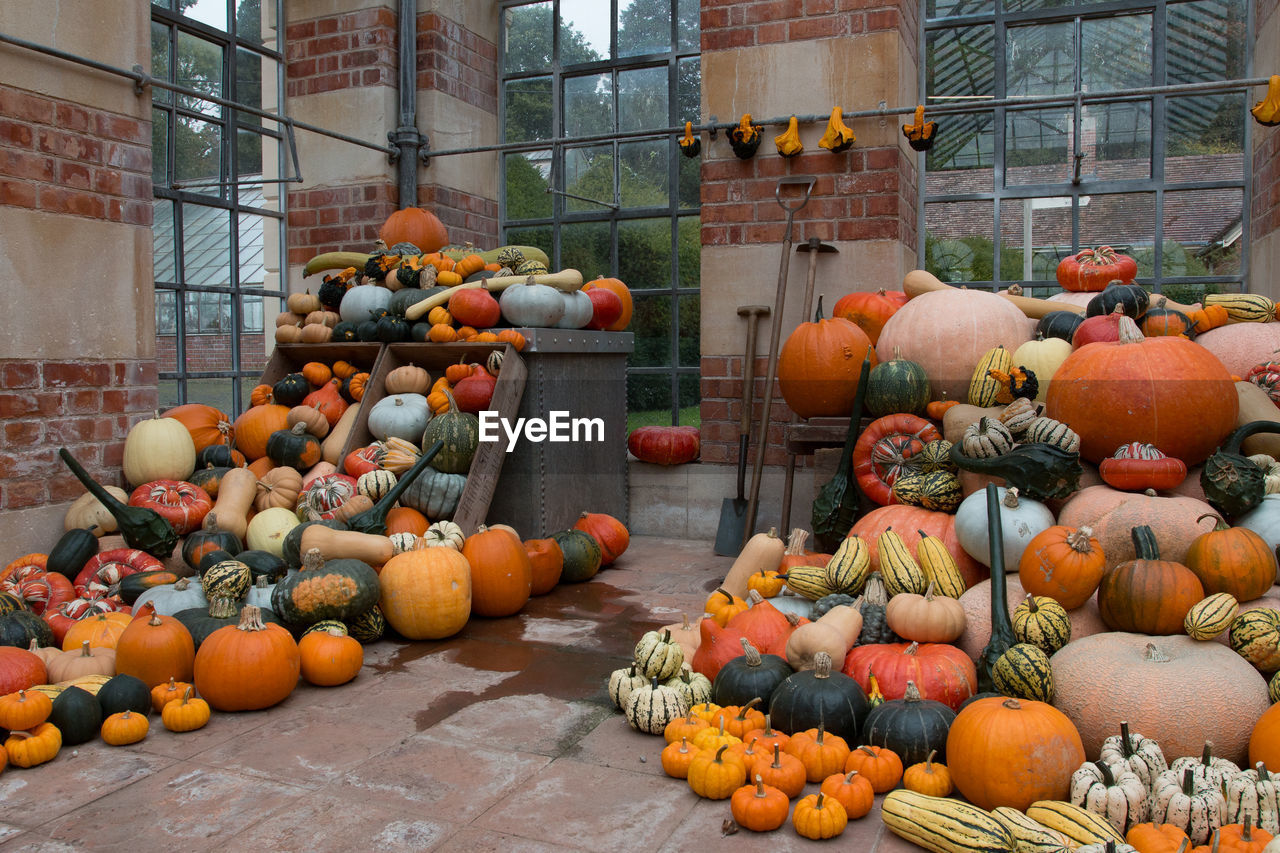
x: 1232, y: 559
x: 819, y: 365
x: 501, y: 574
x: 1165, y: 391
x: 1064, y: 563
x: 414, y: 225
x: 156, y: 649
x: 869, y: 311
x: 208, y: 426
x: 247, y: 667
x: 1155, y: 838
x: 255, y: 426
x: 404, y: 519
x: 624, y: 296
x: 547, y: 561
x: 101, y: 631
x: 1148, y: 595
x: 609, y: 533
x: 1264, y: 744
x: 879, y: 765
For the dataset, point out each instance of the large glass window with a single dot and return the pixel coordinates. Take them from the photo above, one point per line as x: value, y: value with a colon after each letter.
x: 1076, y: 156
x: 218, y: 227
x: 592, y: 173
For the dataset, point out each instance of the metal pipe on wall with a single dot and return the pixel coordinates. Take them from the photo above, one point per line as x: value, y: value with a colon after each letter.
x: 410, y: 145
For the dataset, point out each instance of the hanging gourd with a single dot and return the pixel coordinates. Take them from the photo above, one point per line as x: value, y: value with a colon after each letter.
x: 745, y: 138
x: 690, y: 145
x: 839, y: 137
x: 788, y: 142
x: 920, y: 134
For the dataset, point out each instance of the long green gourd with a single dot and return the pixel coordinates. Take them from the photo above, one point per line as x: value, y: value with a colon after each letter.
x: 142, y: 528
x: 374, y: 519
x: 1002, y: 636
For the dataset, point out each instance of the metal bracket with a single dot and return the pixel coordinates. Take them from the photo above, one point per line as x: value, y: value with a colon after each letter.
x: 713, y: 120
x: 141, y: 79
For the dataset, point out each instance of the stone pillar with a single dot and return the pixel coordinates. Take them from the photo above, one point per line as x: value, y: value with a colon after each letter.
x: 77, y: 360
x: 1264, y: 256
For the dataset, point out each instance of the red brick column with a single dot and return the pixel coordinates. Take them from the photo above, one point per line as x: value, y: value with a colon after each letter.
x: 1265, y: 215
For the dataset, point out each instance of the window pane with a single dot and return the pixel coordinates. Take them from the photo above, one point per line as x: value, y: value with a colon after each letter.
x: 947, y: 8
x: 651, y: 324
x: 527, y: 183
x: 251, y: 237
x: 1202, y: 232
x: 251, y: 20
x: 961, y: 159
x: 160, y: 61
x: 643, y: 178
x: 689, y: 91
x: 211, y: 12
x: 168, y: 390
x: 1206, y: 41
x: 164, y: 261
x: 206, y: 245
x: 1205, y: 137
x: 689, y: 251
x: 642, y: 99
x: 644, y: 253
x: 1031, y: 5
x: 648, y: 397
x: 160, y: 147
x: 166, y: 316
x: 586, y: 246
x: 1116, y: 53
x: 527, y: 38
x: 199, y: 68
x: 690, y: 306
x: 588, y: 173
x: 1041, y: 59
x: 961, y: 61
x: 643, y: 27
x: 690, y: 394
x: 1125, y: 221
x: 249, y: 164
x: 584, y: 31
x: 257, y: 316
x: 690, y: 179
x: 1117, y: 141
x: 197, y: 154
x: 250, y: 68
x: 588, y: 105
x: 528, y: 110
x: 1037, y: 146
x: 958, y: 240
x: 690, y: 26
x: 540, y: 236
x: 1035, y: 234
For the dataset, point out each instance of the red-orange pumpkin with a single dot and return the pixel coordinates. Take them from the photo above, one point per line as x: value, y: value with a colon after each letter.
x: 624, y: 296
x: 673, y: 445
x: 868, y: 311
x: 208, y: 426
x: 1166, y: 391
x: 1147, y: 595
x: 547, y: 562
x: 327, y: 400
x: 475, y: 307
x: 819, y: 365
x: 609, y: 533
x: 1264, y: 745
x: 417, y: 226
x: 501, y: 574
x: 1232, y: 559
x: 939, y: 671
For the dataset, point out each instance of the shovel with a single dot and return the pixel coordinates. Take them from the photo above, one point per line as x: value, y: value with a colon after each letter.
x: 733, y: 512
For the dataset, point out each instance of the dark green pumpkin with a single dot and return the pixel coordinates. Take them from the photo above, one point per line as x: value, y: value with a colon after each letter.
x: 217, y: 455
x: 77, y: 715
x: 369, y: 626
x: 911, y: 726
x: 345, y: 332
x: 367, y: 331
x: 897, y: 385
x: 405, y: 298
x: 124, y: 693
x: 459, y: 434
x: 201, y: 624
x: 1059, y: 324
x: 289, y: 550
x: 291, y: 390
x: 1158, y: 322
x: 294, y: 447
x: 20, y: 627
x: 392, y: 329
x: 334, y: 589
x: 821, y: 696
x: 749, y: 676
x: 1231, y: 481
x: 134, y: 585
x: 10, y: 603
x: 1131, y: 296
x: 263, y: 564
x: 331, y: 292
x: 209, y: 478
x: 72, y: 550
x: 420, y: 333
x: 212, y: 558
x: 209, y: 538
x: 582, y: 555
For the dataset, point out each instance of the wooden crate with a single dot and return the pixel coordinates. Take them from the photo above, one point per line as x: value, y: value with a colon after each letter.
x: 486, y: 466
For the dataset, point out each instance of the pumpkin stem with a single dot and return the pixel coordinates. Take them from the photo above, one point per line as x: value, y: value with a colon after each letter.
x: 1247, y: 835
x: 1030, y: 601
x: 795, y: 542
x: 742, y: 712
x: 777, y: 757
x: 1011, y: 704
x: 912, y: 649
x: 85, y: 651
x: 1153, y: 654
x: 848, y: 777
x: 312, y: 560
x: 928, y: 761
x: 760, y: 794
x: 1010, y: 500
x: 1078, y: 540
x: 912, y: 693
x: 1188, y: 782
x: 1263, y: 775
x: 1144, y: 542
x: 1128, y: 330
x: 1126, y: 745
x: 155, y: 619
x: 1218, y: 524
x: 821, y: 665
x: 250, y: 619
x: 720, y: 753
x: 1206, y: 757
x: 1108, y: 778
x: 751, y: 653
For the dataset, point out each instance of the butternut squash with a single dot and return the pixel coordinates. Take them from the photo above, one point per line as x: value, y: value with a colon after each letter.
x: 347, y: 544
x: 236, y: 493
x: 1255, y: 405
x: 762, y: 553
x: 331, y: 448
x: 834, y: 632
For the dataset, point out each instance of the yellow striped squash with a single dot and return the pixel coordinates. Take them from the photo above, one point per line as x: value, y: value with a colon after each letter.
x: 1076, y: 822
x: 1030, y: 836
x: 1273, y: 689
x: 808, y: 581
x: 944, y: 825
x: 1243, y: 307
x: 1255, y: 636
x: 1024, y: 672
x: 898, y: 568
x: 1042, y: 621
x: 984, y: 388
x: 849, y: 566
x: 939, y: 566
x: 1211, y: 616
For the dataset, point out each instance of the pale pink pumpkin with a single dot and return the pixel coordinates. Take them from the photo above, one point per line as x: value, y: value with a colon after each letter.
x: 1240, y: 346
x: 976, y: 602
x: 1112, y: 515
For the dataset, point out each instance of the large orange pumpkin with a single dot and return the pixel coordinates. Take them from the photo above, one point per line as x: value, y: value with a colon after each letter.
x: 1264, y: 745
x: 1012, y: 752
x: 255, y: 425
x: 426, y: 592
x: 155, y: 649
x: 1064, y: 563
x: 1233, y: 559
x: 208, y: 426
x: 249, y: 666
x: 501, y: 574
x: 417, y: 226
x: 1166, y: 391
x: 819, y: 365
x: 948, y: 331
x: 624, y: 296
x: 909, y: 522
x: 868, y: 311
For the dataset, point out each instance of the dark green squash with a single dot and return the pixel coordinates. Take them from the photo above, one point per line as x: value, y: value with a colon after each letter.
x: 1003, y: 637
x: 19, y: 627
x: 835, y: 599
x: 10, y: 603
x: 459, y: 435
x: 263, y: 564
x: 345, y: 332
x: 212, y: 558
x: 420, y: 333
x: 142, y: 528
x: 897, y: 385
x: 392, y: 329
x: 77, y: 714
x: 209, y: 538
x: 209, y: 478
x: 1039, y: 471
x: 749, y: 676
x: 201, y: 624
x: 367, y: 331
x: 582, y: 555
x: 405, y: 298
x: 911, y: 726
x: 289, y: 549
x: 369, y: 626
x: 132, y: 586
x: 822, y: 696
x: 333, y: 589
x: 72, y: 550
x: 291, y: 390
x: 294, y: 447
x: 1059, y: 324
x: 1132, y: 297
x: 1232, y: 482
x: 875, y: 628
x: 217, y: 455
x: 331, y: 291
x: 124, y: 692
x: 976, y: 696
x: 1160, y: 321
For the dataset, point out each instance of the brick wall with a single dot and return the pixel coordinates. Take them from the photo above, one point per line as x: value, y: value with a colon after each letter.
x: 211, y: 352
x: 727, y: 24
x: 1265, y: 213
x: 721, y: 408
x: 85, y: 406
x: 62, y: 157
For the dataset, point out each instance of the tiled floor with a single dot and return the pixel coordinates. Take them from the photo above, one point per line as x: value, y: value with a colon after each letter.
x: 499, y: 739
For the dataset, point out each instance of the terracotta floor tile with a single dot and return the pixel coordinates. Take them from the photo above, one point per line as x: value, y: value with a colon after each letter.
x: 529, y: 723
x: 365, y: 824
x: 78, y: 775
x: 576, y: 802
x: 186, y: 806
x: 613, y: 743
x: 435, y: 775
x: 473, y: 840
x: 7, y: 832
x: 220, y: 729
x: 33, y: 842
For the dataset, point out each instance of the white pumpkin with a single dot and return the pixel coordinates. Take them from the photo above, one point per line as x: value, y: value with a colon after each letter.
x: 1043, y: 358
x: 360, y: 302
x: 1264, y: 520
x: 578, y: 310
x: 259, y: 594
x: 268, y: 528
x: 531, y: 304
x: 158, y: 449
x: 1021, y: 519
x: 171, y: 598
x: 400, y: 416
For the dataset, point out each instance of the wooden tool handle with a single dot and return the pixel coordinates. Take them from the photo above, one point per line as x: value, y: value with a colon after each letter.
x: 917, y: 282
x: 567, y: 280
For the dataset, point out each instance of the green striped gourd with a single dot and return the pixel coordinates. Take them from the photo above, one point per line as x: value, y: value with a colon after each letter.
x: 1243, y: 307
x: 944, y: 825
x: 1031, y: 836
x: 1042, y: 622
x: 897, y: 385
x: 808, y: 581
x: 658, y: 656
x: 460, y: 433
x: 225, y: 585
x: 651, y: 706
x: 898, y: 568
x: 1076, y: 822
x: 1024, y: 672
x: 983, y: 387
x: 939, y: 566
x: 582, y: 555
x: 328, y: 625
x: 935, y: 456
x: 1273, y: 689
x: 938, y: 491
x: 693, y: 687
x: 1255, y: 636
x: 1210, y: 616
x: 849, y: 566
x: 369, y: 626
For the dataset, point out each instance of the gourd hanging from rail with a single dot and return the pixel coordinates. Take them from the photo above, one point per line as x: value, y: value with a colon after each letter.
x: 745, y: 138
x: 690, y: 145
x: 788, y: 143
x: 1267, y: 111
x: 920, y: 134
x: 839, y: 137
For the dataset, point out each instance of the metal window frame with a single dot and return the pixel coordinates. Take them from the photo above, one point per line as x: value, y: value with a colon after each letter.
x: 610, y: 212
x: 1156, y: 95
